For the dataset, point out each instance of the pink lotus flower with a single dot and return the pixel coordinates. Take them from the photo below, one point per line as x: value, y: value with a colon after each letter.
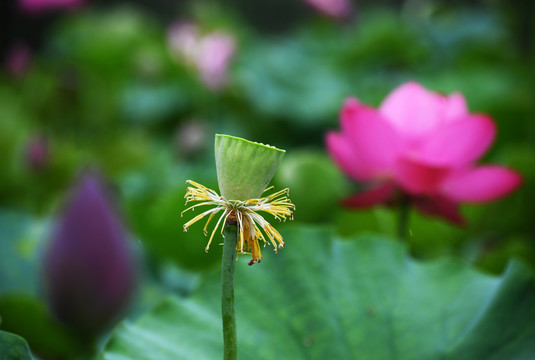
x: 210, y: 54
x: 422, y: 144
x: 43, y: 5
x: 334, y: 8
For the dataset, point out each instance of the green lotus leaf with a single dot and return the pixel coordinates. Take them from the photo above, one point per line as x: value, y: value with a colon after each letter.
x: 244, y: 168
x: 13, y: 347
x: 324, y: 298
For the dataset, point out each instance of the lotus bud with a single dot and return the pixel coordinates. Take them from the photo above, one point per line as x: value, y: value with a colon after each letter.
x: 89, y: 269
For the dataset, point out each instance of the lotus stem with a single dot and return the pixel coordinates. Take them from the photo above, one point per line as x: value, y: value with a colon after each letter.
x: 403, y: 217
x: 228, y: 312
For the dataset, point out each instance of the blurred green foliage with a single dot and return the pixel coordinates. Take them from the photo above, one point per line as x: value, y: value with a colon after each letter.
x: 13, y: 347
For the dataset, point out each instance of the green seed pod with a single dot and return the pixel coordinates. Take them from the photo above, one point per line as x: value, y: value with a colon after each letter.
x: 244, y: 168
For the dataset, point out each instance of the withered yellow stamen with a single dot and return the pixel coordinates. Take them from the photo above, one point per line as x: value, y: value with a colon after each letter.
x: 252, y: 227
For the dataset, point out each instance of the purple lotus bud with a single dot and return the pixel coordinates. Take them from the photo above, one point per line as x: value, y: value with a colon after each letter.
x: 37, y: 153
x: 89, y: 269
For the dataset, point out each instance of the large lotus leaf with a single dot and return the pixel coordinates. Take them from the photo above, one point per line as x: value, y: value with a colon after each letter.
x: 323, y: 298
x: 13, y: 347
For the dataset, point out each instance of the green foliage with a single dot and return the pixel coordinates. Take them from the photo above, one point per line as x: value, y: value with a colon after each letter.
x: 323, y: 297
x: 22, y: 312
x: 29, y: 317
x: 154, y: 201
x: 13, y: 347
x: 315, y: 184
x: 21, y: 242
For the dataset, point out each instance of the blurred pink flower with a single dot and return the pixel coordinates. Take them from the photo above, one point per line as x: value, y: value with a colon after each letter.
x: 18, y: 60
x: 43, y: 5
x: 423, y: 144
x: 209, y: 54
x: 335, y: 8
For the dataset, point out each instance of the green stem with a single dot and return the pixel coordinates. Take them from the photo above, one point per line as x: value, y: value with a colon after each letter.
x: 228, y: 312
x: 403, y: 218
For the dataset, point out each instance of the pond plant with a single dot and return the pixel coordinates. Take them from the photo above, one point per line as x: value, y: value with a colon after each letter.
x: 244, y: 169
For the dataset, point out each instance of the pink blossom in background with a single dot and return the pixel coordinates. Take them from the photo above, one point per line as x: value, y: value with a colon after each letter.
x: 210, y: 54
x: 18, y: 60
x: 215, y: 51
x: 335, y: 8
x: 35, y: 6
x: 423, y: 144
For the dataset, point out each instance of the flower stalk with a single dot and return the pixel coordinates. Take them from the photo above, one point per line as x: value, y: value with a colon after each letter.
x: 403, y: 217
x: 228, y: 312
x: 244, y: 169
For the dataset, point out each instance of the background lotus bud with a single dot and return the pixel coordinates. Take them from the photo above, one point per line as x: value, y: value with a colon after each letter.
x: 244, y: 168
x: 90, y: 272
x: 37, y: 153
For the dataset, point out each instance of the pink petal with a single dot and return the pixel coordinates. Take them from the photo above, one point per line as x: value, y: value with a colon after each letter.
x: 418, y: 178
x: 349, y: 160
x: 379, y: 194
x: 481, y: 184
x: 455, y: 107
x: 458, y: 143
x: 371, y: 135
x: 348, y: 112
x: 414, y: 110
x: 438, y: 206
